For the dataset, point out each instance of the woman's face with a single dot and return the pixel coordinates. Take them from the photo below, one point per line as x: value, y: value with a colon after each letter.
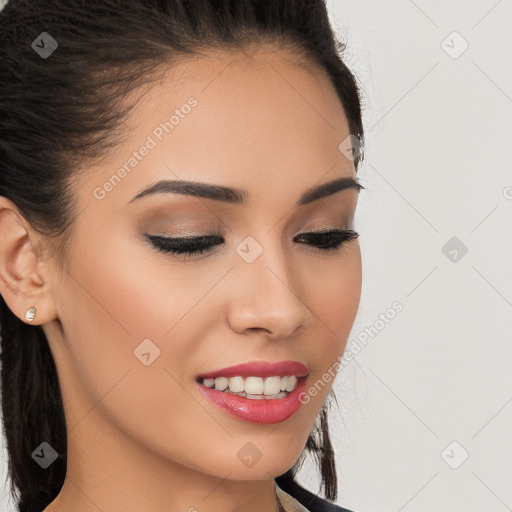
x: 136, y: 325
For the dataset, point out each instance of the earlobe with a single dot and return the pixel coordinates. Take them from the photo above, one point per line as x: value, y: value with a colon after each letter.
x: 22, y: 285
x: 30, y: 314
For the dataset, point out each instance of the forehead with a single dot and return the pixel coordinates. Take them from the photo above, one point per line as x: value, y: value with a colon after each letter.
x: 266, y: 117
x: 244, y: 97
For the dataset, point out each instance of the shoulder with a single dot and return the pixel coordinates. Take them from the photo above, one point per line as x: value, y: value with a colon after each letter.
x: 310, y: 501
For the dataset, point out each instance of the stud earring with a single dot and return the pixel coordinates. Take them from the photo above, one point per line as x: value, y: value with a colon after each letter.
x: 30, y: 314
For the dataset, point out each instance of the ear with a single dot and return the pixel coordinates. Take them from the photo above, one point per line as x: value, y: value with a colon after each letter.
x: 23, y: 272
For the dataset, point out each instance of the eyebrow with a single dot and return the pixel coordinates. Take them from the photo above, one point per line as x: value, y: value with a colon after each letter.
x: 239, y: 196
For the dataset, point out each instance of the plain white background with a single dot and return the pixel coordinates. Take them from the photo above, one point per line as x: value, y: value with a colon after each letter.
x: 425, y: 406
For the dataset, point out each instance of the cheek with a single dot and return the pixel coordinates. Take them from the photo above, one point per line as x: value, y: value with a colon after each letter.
x: 136, y: 290
x: 112, y: 305
x: 333, y: 296
x: 333, y: 290
x: 116, y: 298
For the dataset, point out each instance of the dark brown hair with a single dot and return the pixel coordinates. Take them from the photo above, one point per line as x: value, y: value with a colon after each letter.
x: 58, y: 112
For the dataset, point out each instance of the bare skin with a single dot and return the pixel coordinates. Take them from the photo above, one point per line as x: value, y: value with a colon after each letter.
x: 144, y: 437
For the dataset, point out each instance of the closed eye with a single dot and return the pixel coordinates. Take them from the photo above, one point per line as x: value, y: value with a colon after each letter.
x: 322, y: 240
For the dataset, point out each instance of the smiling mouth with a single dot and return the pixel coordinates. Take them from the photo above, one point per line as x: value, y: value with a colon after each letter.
x: 273, y: 405
x: 253, y: 387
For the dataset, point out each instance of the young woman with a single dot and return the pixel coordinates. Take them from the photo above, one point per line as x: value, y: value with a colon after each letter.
x: 179, y: 269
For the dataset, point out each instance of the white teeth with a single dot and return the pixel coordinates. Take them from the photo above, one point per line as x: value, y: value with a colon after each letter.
x: 254, y: 386
x: 271, y: 385
x: 236, y: 384
x: 221, y: 383
x: 292, y: 383
x: 209, y: 383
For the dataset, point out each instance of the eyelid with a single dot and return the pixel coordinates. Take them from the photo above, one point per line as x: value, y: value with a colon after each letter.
x: 217, y: 232
x: 178, y: 246
x: 326, y: 226
x: 328, y: 229
x: 193, y: 236
x: 200, y: 233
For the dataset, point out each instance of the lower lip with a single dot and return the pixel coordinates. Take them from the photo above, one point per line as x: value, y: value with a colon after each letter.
x: 274, y: 410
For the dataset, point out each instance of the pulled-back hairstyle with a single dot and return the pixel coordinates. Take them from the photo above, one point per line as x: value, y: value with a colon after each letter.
x: 61, y: 112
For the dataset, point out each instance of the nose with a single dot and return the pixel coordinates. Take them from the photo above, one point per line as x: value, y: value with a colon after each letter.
x: 266, y: 297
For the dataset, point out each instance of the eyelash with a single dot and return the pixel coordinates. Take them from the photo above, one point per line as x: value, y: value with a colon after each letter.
x: 200, y: 244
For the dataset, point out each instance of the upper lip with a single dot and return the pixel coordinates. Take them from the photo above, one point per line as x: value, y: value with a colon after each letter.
x: 259, y: 369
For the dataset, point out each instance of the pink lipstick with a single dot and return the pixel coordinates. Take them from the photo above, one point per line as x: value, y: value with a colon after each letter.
x: 289, y: 377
